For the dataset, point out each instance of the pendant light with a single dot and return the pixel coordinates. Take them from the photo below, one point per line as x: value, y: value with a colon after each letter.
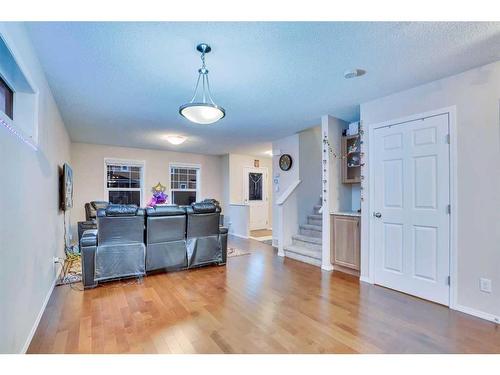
x: 203, y: 111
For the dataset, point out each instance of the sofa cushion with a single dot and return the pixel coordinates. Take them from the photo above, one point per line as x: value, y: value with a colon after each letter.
x: 215, y: 202
x: 99, y: 204
x: 173, y: 210
x: 119, y: 210
x: 203, y: 208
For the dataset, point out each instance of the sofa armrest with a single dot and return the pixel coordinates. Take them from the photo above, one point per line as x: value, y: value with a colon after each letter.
x: 88, y: 248
x: 223, y: 243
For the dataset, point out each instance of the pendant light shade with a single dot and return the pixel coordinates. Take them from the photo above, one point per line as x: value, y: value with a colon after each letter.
x: 202, y: 111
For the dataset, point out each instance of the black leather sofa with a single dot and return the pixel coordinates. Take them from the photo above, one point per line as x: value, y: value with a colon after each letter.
x: 131, y: 241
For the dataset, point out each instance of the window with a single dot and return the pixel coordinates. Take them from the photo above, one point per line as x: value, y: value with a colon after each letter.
x: 124, y: 182
x: 184, y: 184
x: 6, y: 99
x: 18, y: 97
x: 255, y: 186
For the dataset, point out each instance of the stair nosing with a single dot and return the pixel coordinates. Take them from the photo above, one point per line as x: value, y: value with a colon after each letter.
x: 315, y: 216
x: 303, y: 251
x: 309, y: 239
x: 318, y: 228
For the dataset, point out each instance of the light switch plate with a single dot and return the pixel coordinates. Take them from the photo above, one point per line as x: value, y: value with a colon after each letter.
x: 485, y: 285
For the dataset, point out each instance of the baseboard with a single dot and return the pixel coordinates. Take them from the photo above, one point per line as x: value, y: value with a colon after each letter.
x: 347, y: 270
x: 476, y: 313
x: 239, y: 236
x: 327, y: 267
x: 366, y: 279
x: 38, y: 318
x: 303, y: 258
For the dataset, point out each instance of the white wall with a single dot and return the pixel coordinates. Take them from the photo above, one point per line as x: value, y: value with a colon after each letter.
x: 88, y: 170
x: 225, y: 186
x: 340, y: 193
x: 309, y: 190
x: 31, y: 225
x: 238, y: 219
x: 288, y: 145
x: 476, y: 95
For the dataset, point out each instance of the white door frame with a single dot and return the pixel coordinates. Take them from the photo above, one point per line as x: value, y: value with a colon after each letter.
x: 367, y: 235
x: 265, y: 183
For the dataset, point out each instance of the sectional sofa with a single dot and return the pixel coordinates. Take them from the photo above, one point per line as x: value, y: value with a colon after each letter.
x: 131, y: 241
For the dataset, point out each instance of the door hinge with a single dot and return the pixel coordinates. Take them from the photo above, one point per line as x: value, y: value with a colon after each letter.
x: 448, y: 280
x: 448, y: 209
x: 448, y: 139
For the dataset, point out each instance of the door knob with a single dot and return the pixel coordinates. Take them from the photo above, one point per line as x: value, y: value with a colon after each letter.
x: 377, y: 215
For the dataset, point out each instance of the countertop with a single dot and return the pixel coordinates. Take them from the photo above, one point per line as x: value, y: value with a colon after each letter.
x: 346, y: 213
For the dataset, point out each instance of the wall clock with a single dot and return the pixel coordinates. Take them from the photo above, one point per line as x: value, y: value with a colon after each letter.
x: 285, y: 162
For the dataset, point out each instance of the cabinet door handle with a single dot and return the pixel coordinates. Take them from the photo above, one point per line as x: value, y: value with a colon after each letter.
x: 378, y: 215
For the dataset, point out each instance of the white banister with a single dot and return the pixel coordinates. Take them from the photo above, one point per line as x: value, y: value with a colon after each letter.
x: 282, y: 199
x: 288, y: 218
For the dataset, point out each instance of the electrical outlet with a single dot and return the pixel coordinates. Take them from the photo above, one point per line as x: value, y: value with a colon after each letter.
x: 58, y: 260
x: 485, y: 285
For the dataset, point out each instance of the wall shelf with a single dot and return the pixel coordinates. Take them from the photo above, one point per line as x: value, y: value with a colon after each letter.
x: 351, y: 157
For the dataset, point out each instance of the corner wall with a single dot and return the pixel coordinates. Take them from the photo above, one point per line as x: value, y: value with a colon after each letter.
x: 476, y: 95
x: 31, y: 224
x: 288, y: 145
x: 309, y: 190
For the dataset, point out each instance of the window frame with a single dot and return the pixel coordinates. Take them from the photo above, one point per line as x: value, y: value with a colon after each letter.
x: 9, y: 99
x: 186, y: 166
x: 128, y: 163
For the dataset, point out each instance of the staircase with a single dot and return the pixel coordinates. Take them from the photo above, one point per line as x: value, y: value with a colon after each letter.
x: 306, y: 246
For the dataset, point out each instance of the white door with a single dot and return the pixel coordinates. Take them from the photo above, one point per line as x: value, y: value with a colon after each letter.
x: 410, y: 207
x: 255, y: 183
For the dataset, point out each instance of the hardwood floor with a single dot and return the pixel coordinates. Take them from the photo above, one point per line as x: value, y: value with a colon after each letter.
x: 258, y: 303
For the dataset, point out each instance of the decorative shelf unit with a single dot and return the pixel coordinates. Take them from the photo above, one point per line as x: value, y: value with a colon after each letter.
x: 351, y: 159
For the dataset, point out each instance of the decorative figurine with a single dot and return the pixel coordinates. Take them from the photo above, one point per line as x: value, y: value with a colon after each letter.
x: 159, y: 196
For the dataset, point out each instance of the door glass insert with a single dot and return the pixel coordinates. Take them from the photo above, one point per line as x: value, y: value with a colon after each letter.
x: 255, y: 186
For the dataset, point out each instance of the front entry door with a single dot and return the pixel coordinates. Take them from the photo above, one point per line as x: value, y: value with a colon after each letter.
x: 411, y: 207
x: 255, y: 182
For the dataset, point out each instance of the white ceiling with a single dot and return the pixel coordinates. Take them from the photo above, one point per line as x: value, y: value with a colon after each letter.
x: 122, y: 83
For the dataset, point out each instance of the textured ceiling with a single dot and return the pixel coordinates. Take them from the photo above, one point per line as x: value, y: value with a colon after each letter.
x: 122, y: 83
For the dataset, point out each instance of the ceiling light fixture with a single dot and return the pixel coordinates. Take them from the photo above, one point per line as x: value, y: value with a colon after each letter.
x: 175, y: 139
x: 204, y: 111
x: 354, y: 73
